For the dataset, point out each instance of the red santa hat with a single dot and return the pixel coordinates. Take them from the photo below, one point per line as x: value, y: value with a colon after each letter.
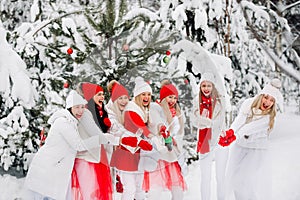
x: 141, y: 86
x: 168, y: 90
x: 117, y: 91
x: 90, y: 89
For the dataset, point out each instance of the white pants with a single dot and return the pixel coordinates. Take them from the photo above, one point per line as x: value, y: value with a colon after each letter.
x: 220, y: 155
x: 132, y: 185
x: 249, y: 174
x: 176, y: 192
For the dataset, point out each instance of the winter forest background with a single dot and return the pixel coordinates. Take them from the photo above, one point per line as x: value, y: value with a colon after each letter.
x: 248, y: 42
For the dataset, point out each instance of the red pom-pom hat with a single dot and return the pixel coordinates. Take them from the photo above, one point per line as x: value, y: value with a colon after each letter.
x: 168, y: 90
x: 90, y: 89
x: 117, y: 91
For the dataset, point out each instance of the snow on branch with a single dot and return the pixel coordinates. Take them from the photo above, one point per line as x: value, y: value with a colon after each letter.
x: 286, y: 67
x: 141, y: 12
x: 15, y: 81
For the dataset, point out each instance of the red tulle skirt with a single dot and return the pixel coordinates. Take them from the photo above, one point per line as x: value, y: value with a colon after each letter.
x: 166, y: 175
x: 92, y: 181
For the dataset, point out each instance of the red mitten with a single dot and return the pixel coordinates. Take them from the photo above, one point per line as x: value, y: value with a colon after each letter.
x: 162, y: 129
x: 231, y: 139
x: 222, y: 141
x: 119, y: 185
x: 144, y: 145
x: 227, y: 139
x: 229, y: 133
x: 107, y: 122
x: 165, y: 134
x: 129, y: 141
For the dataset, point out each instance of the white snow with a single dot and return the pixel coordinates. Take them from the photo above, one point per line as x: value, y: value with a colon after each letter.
x: 285, y: 150
x: 13, y: 75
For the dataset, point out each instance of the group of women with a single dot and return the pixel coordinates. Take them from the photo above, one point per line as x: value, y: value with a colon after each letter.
x: 142, y: 141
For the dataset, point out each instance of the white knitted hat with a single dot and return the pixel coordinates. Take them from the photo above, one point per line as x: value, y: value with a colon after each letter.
x: 141, y: 86
x: 74, y: 99
x: 207, y: 76
x: 272, y: 89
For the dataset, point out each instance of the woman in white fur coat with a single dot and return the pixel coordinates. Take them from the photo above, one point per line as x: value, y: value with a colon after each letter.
x: 249, y: 167
x: 50, y: 171
x: 209, y: 119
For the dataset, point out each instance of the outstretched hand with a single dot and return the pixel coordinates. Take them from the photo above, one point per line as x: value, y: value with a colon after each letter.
x: 227, y: 139
x: 129, y: 141
x: 144, y: 145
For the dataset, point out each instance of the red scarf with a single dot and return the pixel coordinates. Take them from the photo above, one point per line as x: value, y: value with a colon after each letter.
x: 173, y: 111
x: 205, y: 134
x: 100, y: 110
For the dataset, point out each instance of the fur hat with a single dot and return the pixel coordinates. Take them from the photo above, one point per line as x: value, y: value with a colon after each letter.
x: 117, y: 91
x: 141, y: 86
x: 74, y: 99
x: 90, y: 89
x: 207, y: 76
x: 167, y: 90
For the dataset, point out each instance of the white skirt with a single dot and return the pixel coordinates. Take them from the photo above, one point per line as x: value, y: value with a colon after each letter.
x: 33, y: 195
x: 249, y: 174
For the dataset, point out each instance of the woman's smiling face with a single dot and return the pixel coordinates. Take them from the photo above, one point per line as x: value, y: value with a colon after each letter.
x: 171, y: 100
x: 122, y: 101
x: 145, y: 98
x: 78, y: 110
x: 267, y: 101
x: 99, y: 98
x: 206, y: 88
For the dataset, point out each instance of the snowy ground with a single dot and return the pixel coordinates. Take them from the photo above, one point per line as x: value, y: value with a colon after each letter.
x: 285, y: 149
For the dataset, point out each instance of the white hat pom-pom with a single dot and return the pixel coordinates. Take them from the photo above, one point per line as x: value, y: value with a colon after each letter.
x: 139, y: 80
x: 276, y: 83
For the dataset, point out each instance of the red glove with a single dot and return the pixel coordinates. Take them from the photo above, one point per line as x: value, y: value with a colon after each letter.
x: 129, y: 141
x: 227, y: 139
x: 163, y: 131
x: 229, y: 133
x: 119, y: 185
x: 107, y: 122
x: 144, y: 145
x: 223, y: 141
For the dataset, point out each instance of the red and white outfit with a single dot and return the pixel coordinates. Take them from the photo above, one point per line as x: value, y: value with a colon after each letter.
x: 209, y: 118
x: 91, y: 177
x: 50, y: 171
x: 125, y: 161
x: 167, y: 176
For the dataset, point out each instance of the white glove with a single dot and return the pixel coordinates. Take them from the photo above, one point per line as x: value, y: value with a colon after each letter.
x: 204, y: 122
x: 112, y: 140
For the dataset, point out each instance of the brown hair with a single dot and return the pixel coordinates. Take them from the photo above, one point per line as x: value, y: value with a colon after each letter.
x: 110, y: 85
x: 215, y: 96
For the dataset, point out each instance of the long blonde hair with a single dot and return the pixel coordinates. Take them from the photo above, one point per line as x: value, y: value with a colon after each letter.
x: 165, y: 107
x: 119, y: 114
x: 138, y: 101
x: 256, y: 105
